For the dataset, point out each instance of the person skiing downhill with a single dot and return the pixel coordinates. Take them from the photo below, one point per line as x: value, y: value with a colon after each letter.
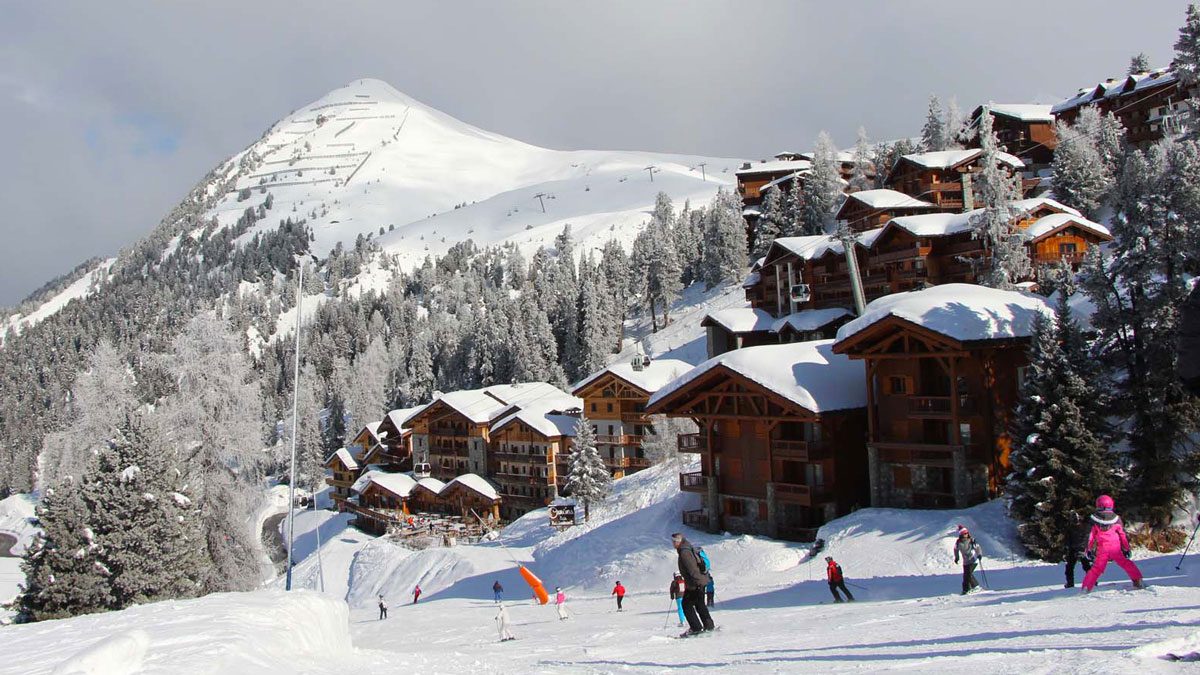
x: 619, y: 591
x: 1107, y: 541
x: 498, y: 591
x: 560, y: 602
x: 502, y: 622
x: 416, y: 593
x: 833, y: 573
x: 382, y: 609
x: 969, y: 552
x: 1076, y: 547
x: 676, y: 590
x: 695, y: 578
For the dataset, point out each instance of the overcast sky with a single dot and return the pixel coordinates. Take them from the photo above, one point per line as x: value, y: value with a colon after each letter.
x: 110, y: 111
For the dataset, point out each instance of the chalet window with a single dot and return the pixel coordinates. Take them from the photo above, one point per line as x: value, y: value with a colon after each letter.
x: 734, y: 508
x: 609, y: 407
x: 1067, y: 249
x: 899, y: 384
x: 594, y: 407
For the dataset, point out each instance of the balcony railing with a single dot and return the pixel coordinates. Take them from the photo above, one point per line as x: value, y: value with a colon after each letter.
x: 924, y: 454
x: 697, y: 519
x: 794, y: 493
x: 620, y: 439
x: 894, y: 256
x: 937, y: 406
x: 638, y: 463
x: 448, y: 431
x: 527, y: 458
x: 804, y: 451
x: 692, y: 443
x: 693, y: 482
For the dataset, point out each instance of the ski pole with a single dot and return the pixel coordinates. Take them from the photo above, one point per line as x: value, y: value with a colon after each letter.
x: 667, y: 618
x: 850, y: 583
x: 984, y: 573
x: 1189, y: 543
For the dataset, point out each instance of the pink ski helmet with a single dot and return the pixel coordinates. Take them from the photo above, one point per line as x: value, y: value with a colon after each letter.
x: 1104, y: 503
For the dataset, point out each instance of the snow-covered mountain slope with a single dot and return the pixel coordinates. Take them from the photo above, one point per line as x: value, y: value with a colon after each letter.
x: 366, y: 157
x: 82, y: 287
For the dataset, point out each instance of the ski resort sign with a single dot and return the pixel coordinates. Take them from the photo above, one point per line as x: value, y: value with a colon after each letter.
x: 562, y: 515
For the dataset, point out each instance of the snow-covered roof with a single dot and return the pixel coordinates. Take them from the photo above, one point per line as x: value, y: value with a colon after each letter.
x: 1047, y: 224
x: 810, y: 247
x: 475, y: 482
x: 402, y: 415
x: 841, y: 156
x: 542, y: 421
x: 649, y: 379
x: 751, y: 211
x: 963, y: 312
x: 1034, y: 203
x: 751, y: 279
x: 808, y: 374
x: 483, y: 405
x: 361, y: 484
x: 784, y: 179
x: 946, y: 224
x: 810, y: 319
x: 775, y: 166
x: 432, y: 484
x: 1117, y: 86
x: 1026, y: 112
x: 945, y: 159
x: 887, y: 199
x: 399, y: 484
x: 345, y: 457
x: 740, y: 319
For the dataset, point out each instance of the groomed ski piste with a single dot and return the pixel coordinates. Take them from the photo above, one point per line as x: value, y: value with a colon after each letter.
x: 773, y: 607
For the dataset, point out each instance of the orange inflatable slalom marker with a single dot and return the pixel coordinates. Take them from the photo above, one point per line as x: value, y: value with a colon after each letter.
x: 536, y: 584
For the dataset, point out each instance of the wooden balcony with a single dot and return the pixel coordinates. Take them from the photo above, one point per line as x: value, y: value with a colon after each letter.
x: 803, y: 451
x: 793, y: 493
x: 619, y: 439
x: 521, y: 479
x: 521, y: 457
x: 692, y: 443
x: 693, y: 482
x: 923, y: 454
x: 937, y: 407
x: 893, y: 256
x: 448, y: 431
x: 697, y: 519
x: 638, y: 463
x: 330, y: 480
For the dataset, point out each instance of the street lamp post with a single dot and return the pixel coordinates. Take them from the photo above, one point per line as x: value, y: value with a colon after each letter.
x: 295, y: 426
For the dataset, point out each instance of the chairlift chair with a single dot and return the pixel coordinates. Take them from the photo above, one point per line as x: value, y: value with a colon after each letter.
x: 800, y: 293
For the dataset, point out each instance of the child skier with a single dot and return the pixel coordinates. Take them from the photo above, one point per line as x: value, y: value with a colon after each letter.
x: 677, y: 588
x: 502, y: 624
x: 1076, y: 547
x: 833, y: 573
x: 1108, y: 542
x: 416, y: 593
x: 560, y: 601
x: 382, y: 609
x: 969, y: 552
x: 619, y: 591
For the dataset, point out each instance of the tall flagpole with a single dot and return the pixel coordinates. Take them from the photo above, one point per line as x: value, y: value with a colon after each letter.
x: 295, y: 429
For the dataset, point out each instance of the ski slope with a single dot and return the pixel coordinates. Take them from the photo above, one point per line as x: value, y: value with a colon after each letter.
x: 366, y: 157
x: 773, y: 607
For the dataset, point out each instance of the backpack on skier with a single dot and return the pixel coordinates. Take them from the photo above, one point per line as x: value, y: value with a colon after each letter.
x: 705, y: 565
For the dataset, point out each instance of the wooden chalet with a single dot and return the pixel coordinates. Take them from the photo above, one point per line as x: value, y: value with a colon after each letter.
x: 869, y: 209
x: 425, y: 496
x: 945, y: 178
x: 781, y: 440
x: 753, y: 179
x: 381, y: 501
x: 527, y: 448
x: 737, y: 327
x: 614, y: 400
x: 471, y: 494
x: 942, y: 371
x: 344, y: 470
x: 1149, y: 105
x: 394, y: 441
x: 1025, y: 130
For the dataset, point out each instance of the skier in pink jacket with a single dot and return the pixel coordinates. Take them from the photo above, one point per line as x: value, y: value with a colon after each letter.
x: 1108, y: 542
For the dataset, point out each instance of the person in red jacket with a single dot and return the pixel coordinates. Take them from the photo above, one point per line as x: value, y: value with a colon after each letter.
x: 416, y: 594
x: 619, y: 591
x: 833, y: 573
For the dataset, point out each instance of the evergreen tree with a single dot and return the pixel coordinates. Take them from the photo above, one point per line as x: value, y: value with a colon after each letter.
x: 419, y: 382
x: 957, y: 131
x: 614, y: 270
x: 1059, y: 463
x: 535, y: 355
x: 933, y: 134
x: 588, y: 479
x: 724, y: 240
x: 863, y: 177
x: 595, y: 340
x: 60, y: 567
x: 1006, y: 259
x: 793, y: 209
x: 1186, y: 63
x: 364, y: 387
x: 1139, y: 63
x: 770, y: 222
x: 657, y: 269
x: 822, y: 189
x: 1082, y: 179
x: 689, y: 236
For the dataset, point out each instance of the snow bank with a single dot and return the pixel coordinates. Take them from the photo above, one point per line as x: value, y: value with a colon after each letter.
x: 17, y: 518
x: 264, y: 631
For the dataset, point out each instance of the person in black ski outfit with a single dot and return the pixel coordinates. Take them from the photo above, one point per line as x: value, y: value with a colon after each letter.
x: 695, y: 578
x: 1076, y: 544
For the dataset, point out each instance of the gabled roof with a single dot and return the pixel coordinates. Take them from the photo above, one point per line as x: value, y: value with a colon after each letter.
x: 946, y: 224
x: 808, y: 374
x: 812, y: 247
x: 649, y: 379
x: 399, y: 484
x: 542, y: 421
x: 1117, y: 86
x: 784, y: 179
x: 475, y: 483
x: 774, y: 167
x: 1025, y: 112
x: 343, y: 455
x: 397, y: 418
x: 808, y: 320
x: 1054, y: 222
x: 965, y: 313
x: 740, y: 320
x: 948, y: 159
x: 481, y: 406
x: 432, y: 484
x: 886, y: 199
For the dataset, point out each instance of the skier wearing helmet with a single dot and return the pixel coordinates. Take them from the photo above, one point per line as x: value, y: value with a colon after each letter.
x: 1108, y: 542
x: 968, y: 551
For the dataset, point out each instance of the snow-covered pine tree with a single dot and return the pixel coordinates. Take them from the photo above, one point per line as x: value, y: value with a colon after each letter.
x: 1139, y: 63
x: 149, y: 545
x: 769, y: 222
x: 658, y: 269
x: 560, y: 293
x: 1082, y: 179
x: 364, y: 389
x: 933, y: 134
x: 822, y: 189
x: 1059, y: 464
x: 588, y: 479
x: 614, y: 269
x: 60, y: 566
x: 311, y: 450
x: 863, y: 177
x: 595, y: 342
x: 1006, y: 260
x: 535, y: 356
x: 1137, y: 295
x: 688, y: 239
x: 793, y: 209
x: 958, y: 132
x: 419, y: 382
x: 724, y: 240
x: 1186, y: 63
